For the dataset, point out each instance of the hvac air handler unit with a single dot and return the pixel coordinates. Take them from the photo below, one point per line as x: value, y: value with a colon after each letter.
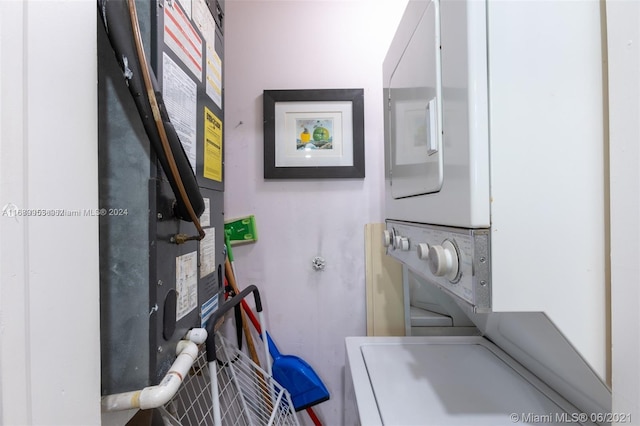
x: 161, y: 181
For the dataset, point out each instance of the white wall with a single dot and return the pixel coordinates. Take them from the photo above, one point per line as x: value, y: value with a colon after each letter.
x: 49, y: 299
x: 623, y: 18
x: 306, y: 45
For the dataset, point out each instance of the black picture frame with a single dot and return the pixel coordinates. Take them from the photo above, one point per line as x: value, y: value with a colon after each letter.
x: 325, y: 105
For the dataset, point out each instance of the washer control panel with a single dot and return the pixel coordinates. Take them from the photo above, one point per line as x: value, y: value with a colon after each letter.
x: 455, y: 259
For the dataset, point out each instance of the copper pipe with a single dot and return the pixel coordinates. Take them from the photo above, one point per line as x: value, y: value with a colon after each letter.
x: 153, y: 102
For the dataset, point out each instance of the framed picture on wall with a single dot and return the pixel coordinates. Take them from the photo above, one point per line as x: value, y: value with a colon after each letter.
x: 313, y: 134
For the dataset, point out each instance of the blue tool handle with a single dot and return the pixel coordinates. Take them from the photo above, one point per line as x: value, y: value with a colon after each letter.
x: 273, y: 350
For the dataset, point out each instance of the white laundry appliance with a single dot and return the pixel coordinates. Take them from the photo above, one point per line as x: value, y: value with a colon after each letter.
x: 495, y: 196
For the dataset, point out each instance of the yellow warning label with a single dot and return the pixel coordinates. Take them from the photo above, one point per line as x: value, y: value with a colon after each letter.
x: 212, y: 146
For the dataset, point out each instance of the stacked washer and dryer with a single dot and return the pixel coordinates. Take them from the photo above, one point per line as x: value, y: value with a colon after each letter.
x: 495, y: 205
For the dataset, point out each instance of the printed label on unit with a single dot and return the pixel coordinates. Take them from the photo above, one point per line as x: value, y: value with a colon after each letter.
x: 202, y: 18
x: 205, y: 218
x: 213, y: 64
x: 208, y: 253
x: 214, y: 75
x: 186, y: 283
x: 212, y: 146
x: 199, y: 12
x: 182, y: 38
x: 186, y: 6
x: 180, y: 96
x: 207, y: 309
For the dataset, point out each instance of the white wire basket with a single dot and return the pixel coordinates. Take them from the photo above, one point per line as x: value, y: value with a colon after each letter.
x: 243, y: 393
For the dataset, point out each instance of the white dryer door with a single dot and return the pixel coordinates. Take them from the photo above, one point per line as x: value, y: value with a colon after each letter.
x: 415, y: 112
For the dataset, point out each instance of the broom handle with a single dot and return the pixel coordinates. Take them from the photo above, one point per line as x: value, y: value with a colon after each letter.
x: 247, y: 332
x: 251, y: 316
x: 245, y: 326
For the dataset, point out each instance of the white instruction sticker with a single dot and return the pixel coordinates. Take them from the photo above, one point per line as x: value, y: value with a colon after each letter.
x: 214, y: 75
x: 180, y: 96
x: 205, y: 218
x: 200, y: 14
x: 186, y: 283
x: 213, y: 64
x: 208, y: 253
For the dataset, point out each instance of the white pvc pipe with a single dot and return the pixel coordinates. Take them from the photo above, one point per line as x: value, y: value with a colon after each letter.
x: 197, y: 335
x: 160, y: 394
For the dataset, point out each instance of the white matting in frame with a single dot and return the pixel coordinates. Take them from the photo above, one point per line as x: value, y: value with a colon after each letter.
x: 291, y: 148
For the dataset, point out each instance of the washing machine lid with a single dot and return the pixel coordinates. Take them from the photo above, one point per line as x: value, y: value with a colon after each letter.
x: 447, y: 380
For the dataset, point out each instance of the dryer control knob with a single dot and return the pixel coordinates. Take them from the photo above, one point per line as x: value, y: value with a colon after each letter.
x: 397, y: 241
x: 423, y: 251
x: 386, y: 238
x: 404, y: 244
x: 443, y: 260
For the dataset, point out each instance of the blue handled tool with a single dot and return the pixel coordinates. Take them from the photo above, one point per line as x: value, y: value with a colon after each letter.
x: 293, y: 373
x: 296, y: 376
